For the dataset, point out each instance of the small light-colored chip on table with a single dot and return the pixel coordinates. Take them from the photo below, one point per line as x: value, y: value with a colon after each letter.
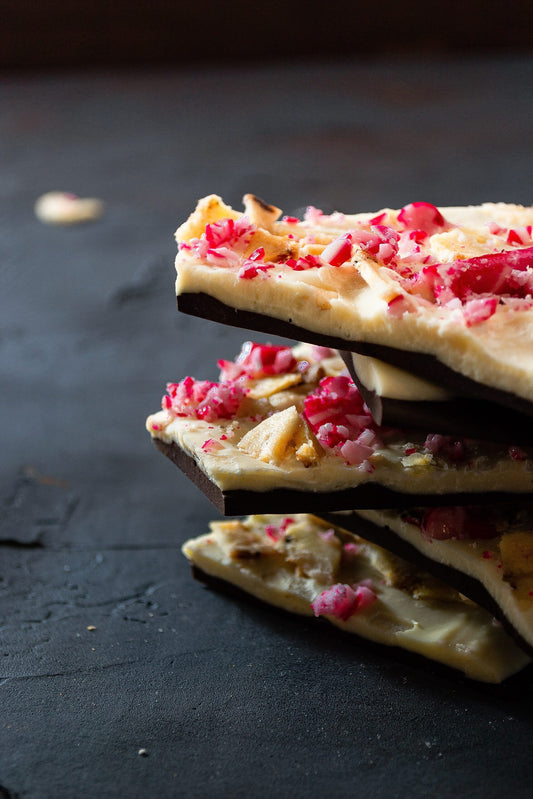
x: 64, y: 208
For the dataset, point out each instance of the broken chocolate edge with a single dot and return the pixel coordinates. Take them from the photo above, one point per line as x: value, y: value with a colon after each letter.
x: 421, y: 364
x: 464, y: 583
x: 400, y: 654
x: 241, y: 502
x: 464, y: 417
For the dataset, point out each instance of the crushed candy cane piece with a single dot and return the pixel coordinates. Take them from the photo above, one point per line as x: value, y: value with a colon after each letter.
x: 458, y: 523
x: 203, y: 399
x: 342, y: 601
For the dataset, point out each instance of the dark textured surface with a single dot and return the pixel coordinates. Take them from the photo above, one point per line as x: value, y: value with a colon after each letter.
x: 228, y: 699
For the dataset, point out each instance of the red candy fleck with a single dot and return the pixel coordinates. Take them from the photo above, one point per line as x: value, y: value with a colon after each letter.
x: 476, y: 311
x: 399, y: 305
x: 304, y: 262
x: 291, y: 220
x: 211, y: 445
x: 277, y: 532
x: 499, y: 274
x: 423, y: 217
x: 338, y: 251
x: 380, y: 241
x: 340, y: 420
x: 447, y: 447
x: 517, y: 454
x: 258, y: 360
x: 227, y: 231
x: 519, y: 235
x: 342, y: 601
x: 458, y: 523
x: 378, y: 219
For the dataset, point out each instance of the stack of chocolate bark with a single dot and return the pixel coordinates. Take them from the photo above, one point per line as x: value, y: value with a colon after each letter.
x: 403, y: 423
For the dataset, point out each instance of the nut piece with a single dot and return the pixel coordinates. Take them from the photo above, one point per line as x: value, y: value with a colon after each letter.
x: 312, y: 554
x: 240, y: 541
x: 270, y: 439
x: 516, y: 550
x: 209, y: 209
x: 259, y: 212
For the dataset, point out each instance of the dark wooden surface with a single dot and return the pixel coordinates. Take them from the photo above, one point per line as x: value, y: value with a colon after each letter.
x: 228, y: 699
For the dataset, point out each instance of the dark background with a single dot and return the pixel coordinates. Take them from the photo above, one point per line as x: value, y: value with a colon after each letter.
x: 120, y: 32
x: 150, y: 109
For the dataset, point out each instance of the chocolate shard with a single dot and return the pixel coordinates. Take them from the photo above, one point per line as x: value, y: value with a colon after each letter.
x: 303, y: 565
x: 288, y: 426
x: 465, y: 417
x: 238, y: 502
x: 443, y: 293
x: 471, y: 566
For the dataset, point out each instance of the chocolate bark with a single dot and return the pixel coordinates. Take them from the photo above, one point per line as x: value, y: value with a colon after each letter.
x: 283, y: 500
x: 466, y: 584
x: 465, y: 417
x: 421, y: 364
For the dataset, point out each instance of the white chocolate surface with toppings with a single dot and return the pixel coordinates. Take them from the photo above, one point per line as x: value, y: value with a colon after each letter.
x: 299, y: 436
x: 376, y: 289
x: 505, y: 571
x: 290, y: 562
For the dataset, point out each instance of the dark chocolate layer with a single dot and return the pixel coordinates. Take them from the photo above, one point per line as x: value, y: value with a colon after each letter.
x: 284, y: 500
x: 420, y: 364
x: 463, y: 417
x: 464, y: 583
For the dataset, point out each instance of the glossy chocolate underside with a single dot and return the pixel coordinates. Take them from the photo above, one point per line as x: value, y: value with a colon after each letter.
x: 420, y: 364
x: 464, y: 417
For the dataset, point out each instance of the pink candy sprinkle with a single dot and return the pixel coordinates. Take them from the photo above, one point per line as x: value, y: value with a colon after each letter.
x: 227, y: 231
x: 339, y: 418
x: 342, y: 601
x: 338, y: 251
x: 380, y: 241
x: 204, y: 399
x: 476, y: 311
x: 350, y: 550
x: 399, y: 305
x: 258, y: 360
x: 211, y: 445
x: 422, y: 216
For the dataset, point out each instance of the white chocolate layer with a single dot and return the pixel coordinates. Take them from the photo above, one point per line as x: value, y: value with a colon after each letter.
x: 393, y: 383
x: 351, y: 301
x: 412, y: 610
x: 232, y: 469
x: 479, y: 559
